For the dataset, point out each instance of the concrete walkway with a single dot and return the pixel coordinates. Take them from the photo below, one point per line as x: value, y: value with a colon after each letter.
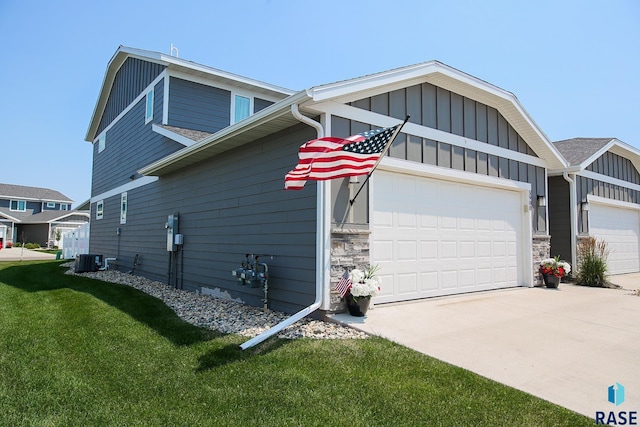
x: 565, y: 345
x: 16, y: 254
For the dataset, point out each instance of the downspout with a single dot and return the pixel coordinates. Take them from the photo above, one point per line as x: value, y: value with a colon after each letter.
x: 574, y: 219
x: 320, y: 258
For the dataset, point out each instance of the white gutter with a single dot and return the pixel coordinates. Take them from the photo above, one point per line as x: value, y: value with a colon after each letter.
x: 574, y: 219
x: 320, y: 258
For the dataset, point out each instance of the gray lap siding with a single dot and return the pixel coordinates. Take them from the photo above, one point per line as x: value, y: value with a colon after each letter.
x: 228, y: 206
x: 130, y: 145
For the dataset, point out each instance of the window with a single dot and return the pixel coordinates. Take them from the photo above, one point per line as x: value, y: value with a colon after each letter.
x: 18, y: 205
x: 242, y: 108
x: 123, y: 208
x: 64, y: 206
x: 51, y: 205
x: 99, y: 209
x: 101, y: 142
x: 148, y: 115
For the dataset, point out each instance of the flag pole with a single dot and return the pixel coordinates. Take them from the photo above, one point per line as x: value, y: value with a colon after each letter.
x: 382, y: 154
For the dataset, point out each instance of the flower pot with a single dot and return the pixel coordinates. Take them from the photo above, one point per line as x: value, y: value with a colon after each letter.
x: 357, y: 306
x: 551, y: 281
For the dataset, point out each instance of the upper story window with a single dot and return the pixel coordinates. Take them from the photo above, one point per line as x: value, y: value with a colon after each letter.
x: 99, y: 209
x: 241, y: 108
x: 18, y: 205
x: 51, y: 205
x: 148, y: 114
x: 64, y: 206
x: 102, y: 140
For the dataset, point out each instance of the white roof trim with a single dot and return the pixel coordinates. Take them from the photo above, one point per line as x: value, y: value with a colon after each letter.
x: 456, y: 81
x: 9, y: 217
x: 616, y: 147
x: 172, y: 135
x: 70, y: 213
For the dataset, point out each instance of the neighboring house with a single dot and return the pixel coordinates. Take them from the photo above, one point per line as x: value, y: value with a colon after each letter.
x: 598, y: 195
x: 459, y: 205
x: 36, y: 215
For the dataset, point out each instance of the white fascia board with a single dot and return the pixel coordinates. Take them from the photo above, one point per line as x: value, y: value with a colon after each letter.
x: 137, y: 183
x: 9, y: 217
x: 612, y: 202
x: 430, y: 171
x: 71, y: 213
x: 142, y: 95
x: 381, y: 120
x: 448, y: 78
x: 608, y: 179
x: 595, y: 156
x: 172, y: 135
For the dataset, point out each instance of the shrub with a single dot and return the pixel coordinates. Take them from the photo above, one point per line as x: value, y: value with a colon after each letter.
x: 9, y: 245
x: 593, y: 255
x: 32, y: 246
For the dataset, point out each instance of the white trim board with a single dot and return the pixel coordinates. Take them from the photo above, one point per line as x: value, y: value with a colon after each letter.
x: 613, y: 203
x: 608, y: 179
x: 140, y: 97
x: 172, y: 135
x: 377, y: 119
x: 140, y: 182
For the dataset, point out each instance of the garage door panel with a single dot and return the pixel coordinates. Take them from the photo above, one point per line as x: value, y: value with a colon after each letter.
x: 445, y: 238
x: 620, y: 228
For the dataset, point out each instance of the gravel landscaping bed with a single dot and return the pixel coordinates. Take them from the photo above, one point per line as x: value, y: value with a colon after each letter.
x: 220, y: 314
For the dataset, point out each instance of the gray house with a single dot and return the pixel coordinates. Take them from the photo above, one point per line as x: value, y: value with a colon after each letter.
x: 36, y: 215
x: 598, y: 195
x: 459, y: 205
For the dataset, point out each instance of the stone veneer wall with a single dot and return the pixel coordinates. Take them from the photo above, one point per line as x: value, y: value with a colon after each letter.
x: 349, y: 250
x: 541, y: 250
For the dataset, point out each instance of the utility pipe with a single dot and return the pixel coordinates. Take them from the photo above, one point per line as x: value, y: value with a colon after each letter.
x: 574, y: 219
x: 320, y: 258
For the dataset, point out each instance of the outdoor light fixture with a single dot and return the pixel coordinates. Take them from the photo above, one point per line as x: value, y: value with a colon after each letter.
x: 542, y: 201
x: 584, y: 206
x: 353, y: 180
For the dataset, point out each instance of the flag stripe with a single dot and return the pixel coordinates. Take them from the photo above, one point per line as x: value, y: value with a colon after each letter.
x: 344, y: 284
x: 331, y: 157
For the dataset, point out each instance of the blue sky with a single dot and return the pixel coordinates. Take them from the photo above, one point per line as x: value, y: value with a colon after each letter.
x: 572, y: 64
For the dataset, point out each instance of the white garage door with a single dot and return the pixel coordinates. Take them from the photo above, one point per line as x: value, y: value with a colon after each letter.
x: 620, y: 228
x: 432, y: 237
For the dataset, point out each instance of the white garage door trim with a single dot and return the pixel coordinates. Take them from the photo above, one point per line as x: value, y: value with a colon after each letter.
x: 622, y: 258
x: 522, y: 190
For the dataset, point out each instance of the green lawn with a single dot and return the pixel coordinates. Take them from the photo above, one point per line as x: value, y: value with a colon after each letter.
x: 80, y: 352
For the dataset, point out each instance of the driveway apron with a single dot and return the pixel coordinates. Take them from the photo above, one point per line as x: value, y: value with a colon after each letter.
x: 565, y: 345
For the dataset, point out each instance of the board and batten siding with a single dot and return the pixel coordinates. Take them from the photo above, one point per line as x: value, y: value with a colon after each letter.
x: 228, y: 206
x: 131, y: 80
x: 199, y: 107
x: 612, y: 165
x: 129, y: 145
x: 422, y: 150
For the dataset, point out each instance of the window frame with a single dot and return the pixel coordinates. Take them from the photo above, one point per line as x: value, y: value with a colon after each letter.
x: 64, y: 207
x: 148, y: 110
x: 17, y: 208
x: 99, y: 209
x: 102, y: 142
x: 123, y: 207
x: 234, y: 96
x: 51, y: 205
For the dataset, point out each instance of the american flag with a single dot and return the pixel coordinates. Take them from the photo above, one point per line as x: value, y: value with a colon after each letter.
x: 344, y: 284
x: 330, y: 157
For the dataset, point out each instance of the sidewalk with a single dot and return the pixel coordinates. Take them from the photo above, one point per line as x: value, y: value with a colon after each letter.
x: 17, y: 254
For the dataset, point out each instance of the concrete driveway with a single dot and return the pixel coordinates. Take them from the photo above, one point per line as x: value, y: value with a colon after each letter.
x: 17, y: 254
x: 565, y: 345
